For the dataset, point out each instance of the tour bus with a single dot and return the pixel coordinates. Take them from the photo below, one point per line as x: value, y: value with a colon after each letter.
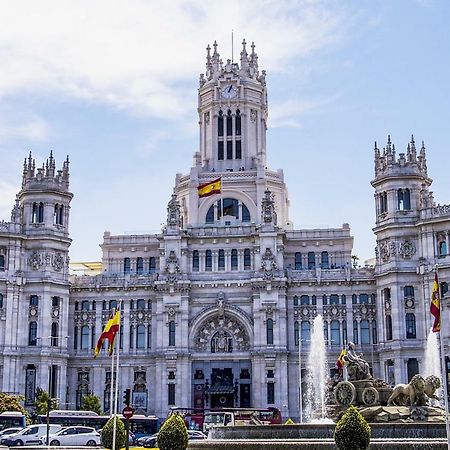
x: 140, y: 425
x: 205, y: 419
x: 12, y: 419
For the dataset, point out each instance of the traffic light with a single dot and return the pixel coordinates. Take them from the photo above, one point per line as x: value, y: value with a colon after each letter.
x: 127, y: 397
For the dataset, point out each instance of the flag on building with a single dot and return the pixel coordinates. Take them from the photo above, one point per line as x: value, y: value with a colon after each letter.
x: 340, y: 363
x: 210, y: 188
x: 109, y: 334
x: 435, y: 306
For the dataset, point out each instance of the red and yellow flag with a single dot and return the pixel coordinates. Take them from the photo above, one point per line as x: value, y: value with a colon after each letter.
x: 435, y: 306
x: 210, y: 188
x: 340, y: 363
x: 109, y: 333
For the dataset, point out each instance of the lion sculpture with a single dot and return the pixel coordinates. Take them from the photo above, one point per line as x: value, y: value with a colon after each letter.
x: 432, y: 384
x: 412, y: 393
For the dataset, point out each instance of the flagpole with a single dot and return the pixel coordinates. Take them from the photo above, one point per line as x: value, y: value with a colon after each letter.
x: 111, y: 395
x: 116, y: 393
x: 443, y: 365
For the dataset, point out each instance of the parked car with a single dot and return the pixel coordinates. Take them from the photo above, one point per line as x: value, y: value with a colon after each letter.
x: 74, y: 436
x: 8, y: 431
x: 29, y: 436
x: 152, y: 441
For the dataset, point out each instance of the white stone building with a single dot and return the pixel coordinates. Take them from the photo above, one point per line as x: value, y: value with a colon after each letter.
x: 213, y: 307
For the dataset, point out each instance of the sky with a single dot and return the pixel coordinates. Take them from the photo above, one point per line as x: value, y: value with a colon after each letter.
x: 113, y: 84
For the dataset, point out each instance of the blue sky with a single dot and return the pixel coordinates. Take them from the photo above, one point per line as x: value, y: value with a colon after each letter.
x: 114, y: 86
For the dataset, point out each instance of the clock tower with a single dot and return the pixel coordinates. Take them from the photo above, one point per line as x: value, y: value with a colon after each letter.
x: 232, y: 112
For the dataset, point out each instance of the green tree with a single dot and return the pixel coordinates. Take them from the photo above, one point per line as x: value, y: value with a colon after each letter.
x: 11, y: 403
x: 352, y: 432
x: 91, y: 403
x: 43, y: 401
x: 107, y: 434
x: 173, y: 434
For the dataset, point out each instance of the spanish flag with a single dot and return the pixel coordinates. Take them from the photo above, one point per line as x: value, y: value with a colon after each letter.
x: 340, y: 363
x: 109, y: 333
x: 210, y: 188
x: 435, y: 306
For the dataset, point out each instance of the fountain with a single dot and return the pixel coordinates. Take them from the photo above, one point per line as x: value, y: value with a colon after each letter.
x: 432, y: 361
x: 317, y: 374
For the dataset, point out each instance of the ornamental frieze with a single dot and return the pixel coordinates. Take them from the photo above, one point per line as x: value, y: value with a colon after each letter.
x: 364, y: 312
x: 407, y: 249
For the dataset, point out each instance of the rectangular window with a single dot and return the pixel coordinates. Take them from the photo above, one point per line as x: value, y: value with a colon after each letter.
x: 238, y: 150
x: 221, y: 260
x: 271, y: 393
x: 220, y: 150
x: 171, y: 394
x: 311, y: 260
x: 229, y: 149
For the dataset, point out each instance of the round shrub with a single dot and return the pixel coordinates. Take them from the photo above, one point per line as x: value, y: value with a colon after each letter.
x: 173, y: 434
x: 352, y: 432
x: 107, y: 434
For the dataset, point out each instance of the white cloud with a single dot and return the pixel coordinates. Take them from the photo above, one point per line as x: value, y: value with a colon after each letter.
x: 22, y: 126
x: 8, y: 192
x: 134, y: 54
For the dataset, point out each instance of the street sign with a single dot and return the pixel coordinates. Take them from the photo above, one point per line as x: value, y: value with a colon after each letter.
x: 128, y: 412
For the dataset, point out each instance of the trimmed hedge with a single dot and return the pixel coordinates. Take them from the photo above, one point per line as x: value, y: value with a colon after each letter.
x: 352, y: 432
x: 173, y: 434
x: 107, y: 434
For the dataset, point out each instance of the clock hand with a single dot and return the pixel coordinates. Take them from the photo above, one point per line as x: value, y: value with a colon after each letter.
x: 229, y: 89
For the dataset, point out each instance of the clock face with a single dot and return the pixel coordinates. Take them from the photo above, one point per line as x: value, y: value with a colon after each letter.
x: 229, y: 91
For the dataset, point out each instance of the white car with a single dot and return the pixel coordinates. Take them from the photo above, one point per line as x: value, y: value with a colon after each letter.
x: 29, y: 435
x: 8, y: 431
x: 79, y: 436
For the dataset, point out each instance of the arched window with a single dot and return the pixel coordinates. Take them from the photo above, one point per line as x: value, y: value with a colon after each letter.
x: 139, y: 265
x: 195, y: 261
x: 93, y: 337
x: 126, y: 265
x: 324, y: 299
x: 325, y: 261
x: 325, y: 331
x: 171, y: 333
x: 220, y: 124
x: 355, y: 332
x: 34, y: 213
x: 247, y: 259
x: 442, y: 248
x: 335, y: 333
x: 34, y: 300
x: 40, y: 213
x: 238, y: 123
x: 343, y: 299
x: 388, y: 328
x: 152, y: 264
x: 298, y: 261
x: 140, y: 304
x: 354, y: 299
x: 140, y: 336
x: 229, y: 124
x: 84, y: 337
x: 234, y: 259
x: 296, y: 333
x: 304, y: 300
x: 208, y: 260
x: 221, y: 342
x: 363, y: 300
x: 1, y: 301
x: 2, y: 263
x: 314, y: 300
x: 410, y: 320
x: 373, y: 298
x: 383, y: 203
x: 306, y: 331
x: 85, y: 305
x: 32, y: 333
x: 75, y: 338
x: 408, y: 291
x: 245, y: 212
x: 365, y: 332
x: 374, y: 332
x: 54, y: 335
x: 404, y: 199
x: 311, y: 260
x: 58, y: 214
x: 221, y: 259
x: 295, y: 299
x: 131, y: 336
x: 112, y: 304
x: 230, y: 208
x: 269, y: 331
x: 61, y: 215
